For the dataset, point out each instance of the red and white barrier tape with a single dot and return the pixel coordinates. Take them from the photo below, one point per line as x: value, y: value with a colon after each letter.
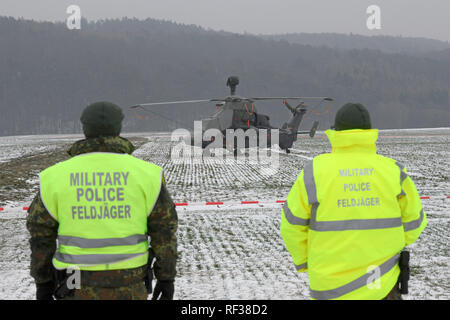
x: 238, y: 203
x: 435, y: 197
x: 267, y: 202
x: 220, y: 203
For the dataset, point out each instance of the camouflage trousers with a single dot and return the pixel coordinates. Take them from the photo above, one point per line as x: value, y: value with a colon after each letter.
x: 136, y: 291
x: 125, y: 284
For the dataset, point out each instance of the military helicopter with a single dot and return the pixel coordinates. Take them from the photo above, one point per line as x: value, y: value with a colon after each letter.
x: 236, y: 112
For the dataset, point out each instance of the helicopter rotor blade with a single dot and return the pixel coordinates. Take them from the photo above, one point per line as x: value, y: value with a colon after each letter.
x: 293, y: 98
x: 173, y: 102
x: 226, y: 99
x: 287, y: 105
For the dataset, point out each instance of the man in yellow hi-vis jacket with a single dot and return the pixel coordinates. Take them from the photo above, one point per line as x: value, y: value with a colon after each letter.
x: 350, y: 213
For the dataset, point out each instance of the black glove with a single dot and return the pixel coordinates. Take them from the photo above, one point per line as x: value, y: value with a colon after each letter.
x: 165, y: 288
x: 44, y: 291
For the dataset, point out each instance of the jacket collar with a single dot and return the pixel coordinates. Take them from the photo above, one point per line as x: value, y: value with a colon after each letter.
x: 357, y: 140
x: 112, y: 144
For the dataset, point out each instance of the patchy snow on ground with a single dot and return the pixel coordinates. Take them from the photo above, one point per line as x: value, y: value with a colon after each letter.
x: 235, y: 251
x: 19, y: 146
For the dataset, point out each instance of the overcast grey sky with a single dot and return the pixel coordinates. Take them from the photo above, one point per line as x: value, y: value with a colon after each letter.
x: 417, y: 18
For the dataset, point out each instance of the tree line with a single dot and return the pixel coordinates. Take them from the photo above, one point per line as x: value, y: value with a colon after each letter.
x: 48, y: 74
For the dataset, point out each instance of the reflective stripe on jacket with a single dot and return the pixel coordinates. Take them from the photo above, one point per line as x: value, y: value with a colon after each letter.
x: 348, y: 216
x: 101, y: 202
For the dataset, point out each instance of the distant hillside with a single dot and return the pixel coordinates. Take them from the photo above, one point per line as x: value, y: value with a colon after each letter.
x: 48, y: 74
x: 439, y: 55
x: 388, y: 44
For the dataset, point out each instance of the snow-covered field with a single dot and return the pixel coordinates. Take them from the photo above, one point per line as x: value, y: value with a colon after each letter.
x: 235, y: 251
x: 12, y: 147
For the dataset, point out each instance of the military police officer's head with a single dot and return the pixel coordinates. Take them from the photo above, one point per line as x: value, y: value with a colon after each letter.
x: 352, y: 116
x: 102, y: 119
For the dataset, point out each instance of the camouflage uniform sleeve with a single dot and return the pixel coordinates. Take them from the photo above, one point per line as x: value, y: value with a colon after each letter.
x: 162, y: 227
x: 43, y: 229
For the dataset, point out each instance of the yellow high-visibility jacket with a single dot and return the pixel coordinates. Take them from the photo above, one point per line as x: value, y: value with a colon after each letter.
x: 101, y: 201
x: 348, y: 216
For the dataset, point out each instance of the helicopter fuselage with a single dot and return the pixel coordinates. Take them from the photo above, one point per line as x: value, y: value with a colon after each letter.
x: 238, y: 120
x: 236, y: 113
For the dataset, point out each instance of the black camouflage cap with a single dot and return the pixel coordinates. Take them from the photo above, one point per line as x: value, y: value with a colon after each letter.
x: 102, y: 119
x: 352, y: 116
